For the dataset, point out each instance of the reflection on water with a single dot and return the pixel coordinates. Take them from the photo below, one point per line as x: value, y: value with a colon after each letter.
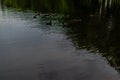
x: 77, y: 46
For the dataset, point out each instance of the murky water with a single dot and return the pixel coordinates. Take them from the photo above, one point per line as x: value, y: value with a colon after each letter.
x: 32, y: 50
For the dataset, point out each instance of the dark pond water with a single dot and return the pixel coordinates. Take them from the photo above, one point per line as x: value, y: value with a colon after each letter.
x: 30, y: 49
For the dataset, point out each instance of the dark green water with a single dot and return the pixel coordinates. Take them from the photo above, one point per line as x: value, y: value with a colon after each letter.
x: 81, y: 43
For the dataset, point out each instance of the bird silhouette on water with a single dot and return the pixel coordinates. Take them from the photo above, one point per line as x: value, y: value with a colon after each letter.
x: 36, y: 15
x: 49, y: 22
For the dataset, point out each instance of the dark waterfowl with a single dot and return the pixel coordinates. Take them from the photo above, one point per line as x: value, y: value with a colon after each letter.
x: 47, y: 15
x: 36, y: 15
x: 71, y: 22
x: 91, y: 15
x: 65, y: 24
x: 49, y: 23
x: 75, y: 21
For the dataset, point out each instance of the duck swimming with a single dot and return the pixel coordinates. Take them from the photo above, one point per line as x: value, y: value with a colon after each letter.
x: 35, y: 16
x: 71, y: 22
x: 49, y: 23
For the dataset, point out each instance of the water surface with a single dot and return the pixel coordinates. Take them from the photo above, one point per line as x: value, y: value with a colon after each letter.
x: 32, y: 50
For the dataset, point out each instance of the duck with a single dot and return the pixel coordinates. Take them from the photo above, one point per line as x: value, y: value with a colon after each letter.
x: 75, y: 21
x: 49, y: 23
x: 65, y: 23
x: 71, y: 22
x: 47, y: 15
x: 91, y: 15
x: 35, y: 16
